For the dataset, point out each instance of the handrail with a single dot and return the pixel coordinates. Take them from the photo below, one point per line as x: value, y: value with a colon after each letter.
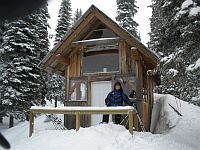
x: 80, y: 111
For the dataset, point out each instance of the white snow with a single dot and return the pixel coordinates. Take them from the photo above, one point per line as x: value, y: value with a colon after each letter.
x: 176, y: 132
x: 194, y: 11
x: 186, y: 4
x: 81, y: 108
x: 194, y: 66
x: 166, y: 4
x: 173, y: 71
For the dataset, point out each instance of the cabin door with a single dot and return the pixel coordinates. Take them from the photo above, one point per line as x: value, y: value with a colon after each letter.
x: 99, y: 91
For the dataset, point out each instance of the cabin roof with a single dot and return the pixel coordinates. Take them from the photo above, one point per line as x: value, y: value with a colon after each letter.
x: 89, y: 19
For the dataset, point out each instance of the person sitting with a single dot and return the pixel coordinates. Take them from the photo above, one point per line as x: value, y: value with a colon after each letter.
x: 116, y: 98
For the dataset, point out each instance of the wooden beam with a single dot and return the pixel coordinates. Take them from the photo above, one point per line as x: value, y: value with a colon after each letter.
x: 136, y: 122
x: 101, y: 48
x: 31, y: 123
x: 78, y: 121
x: 99, y: 41
x: 139, y: 81
x: 101, y: 52
x: 122, y: 57
x: 130, y: 118
x: 70, y: 38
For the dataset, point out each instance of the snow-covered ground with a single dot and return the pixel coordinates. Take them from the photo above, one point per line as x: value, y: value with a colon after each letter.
x: 176, y: 132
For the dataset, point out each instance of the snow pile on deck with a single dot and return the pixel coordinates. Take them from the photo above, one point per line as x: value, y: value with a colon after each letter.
x: 177, y: 132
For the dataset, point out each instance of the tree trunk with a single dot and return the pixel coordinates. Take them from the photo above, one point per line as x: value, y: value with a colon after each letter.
x: 56, y: 102
x: 1, y: 119
x: 11, y: 121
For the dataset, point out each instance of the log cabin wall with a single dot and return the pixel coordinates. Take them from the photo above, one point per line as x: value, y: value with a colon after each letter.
x: 75, y: 63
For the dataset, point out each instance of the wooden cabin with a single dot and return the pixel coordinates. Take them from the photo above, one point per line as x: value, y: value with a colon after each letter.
x: 94, y: 54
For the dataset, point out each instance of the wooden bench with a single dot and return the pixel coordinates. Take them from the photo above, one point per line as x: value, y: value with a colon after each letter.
x: 80, y: 111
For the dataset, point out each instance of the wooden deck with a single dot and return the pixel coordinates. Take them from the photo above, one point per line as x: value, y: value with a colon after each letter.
x: 81, y: 111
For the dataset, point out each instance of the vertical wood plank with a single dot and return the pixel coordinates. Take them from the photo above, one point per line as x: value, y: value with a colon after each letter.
x: 136, y: 122
x: 89, y: 96
x: 139, y: 81
x: 78, y: 122
x: 78, y: 63
x: 66, y: 93
x: 122, y: 57
x: 130, y: 117
x: 31, y: 123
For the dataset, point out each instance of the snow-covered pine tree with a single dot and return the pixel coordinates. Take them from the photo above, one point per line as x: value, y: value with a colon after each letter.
x: 3, y: 107
x: 55, y: 86
x: 156, y: 27
x: 55, y: 83
x: 126, y: 10
x: 78, y: 13
x: 179, y: 45
x: 22, y: 81
x: 64, y: 20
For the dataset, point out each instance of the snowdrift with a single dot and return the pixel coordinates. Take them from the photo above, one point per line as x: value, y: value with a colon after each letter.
x: 175, y: 132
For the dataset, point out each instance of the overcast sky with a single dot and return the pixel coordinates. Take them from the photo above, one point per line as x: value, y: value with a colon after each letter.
x: 109, y: 7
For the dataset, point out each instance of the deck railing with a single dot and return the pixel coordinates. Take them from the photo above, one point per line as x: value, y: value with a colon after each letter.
x: 81, y: 111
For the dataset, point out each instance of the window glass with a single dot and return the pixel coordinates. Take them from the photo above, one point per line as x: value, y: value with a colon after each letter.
x: 100, y: 63
x: 78, y: 90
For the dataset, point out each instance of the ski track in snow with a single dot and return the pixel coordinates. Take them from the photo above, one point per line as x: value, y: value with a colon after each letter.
x: 184, y: 133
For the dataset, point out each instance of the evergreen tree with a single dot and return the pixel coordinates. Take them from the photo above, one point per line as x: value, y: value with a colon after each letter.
x: 22, y: 48
x: 78, y: 13
x: 178, y: 43
x: 55, y: 86
x: 126, y: 10
x: 156, y: 27
x: 64, y: 20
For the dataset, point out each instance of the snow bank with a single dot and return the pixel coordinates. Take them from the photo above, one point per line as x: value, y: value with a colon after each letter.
x: 177, y: 133
x: 181, y: 129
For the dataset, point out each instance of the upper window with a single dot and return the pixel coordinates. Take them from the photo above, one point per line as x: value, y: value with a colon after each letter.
x: 101, y: 33
x: 101, y: 62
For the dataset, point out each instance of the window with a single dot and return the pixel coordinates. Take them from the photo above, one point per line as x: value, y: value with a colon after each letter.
x: 78, y: 89
x: 101, y: 33
x: 100, y: 62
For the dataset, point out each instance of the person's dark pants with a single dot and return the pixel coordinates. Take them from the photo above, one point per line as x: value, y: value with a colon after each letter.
x: 117, y: 119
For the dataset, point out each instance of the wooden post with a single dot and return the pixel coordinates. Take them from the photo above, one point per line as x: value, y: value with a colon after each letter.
x: 136, y: 122
x: 130, y: 118
x: 78, y: 121
x: 31, y: 123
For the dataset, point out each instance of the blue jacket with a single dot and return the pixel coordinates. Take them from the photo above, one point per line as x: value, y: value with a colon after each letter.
x: 116, y: 98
